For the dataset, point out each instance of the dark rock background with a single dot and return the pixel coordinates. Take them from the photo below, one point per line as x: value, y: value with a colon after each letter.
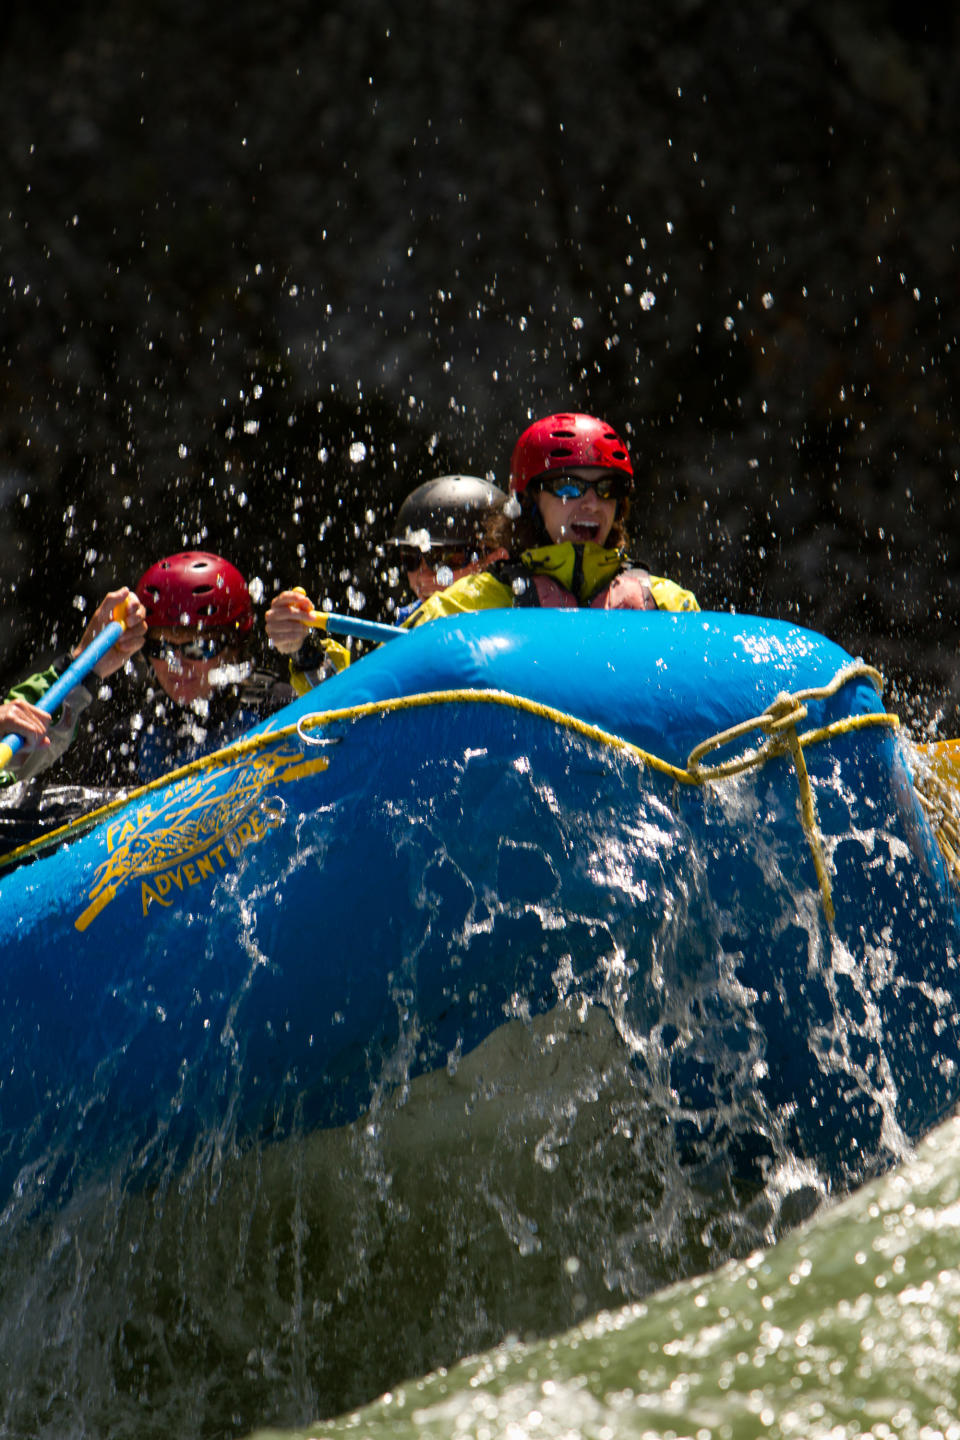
x: 264, y: 268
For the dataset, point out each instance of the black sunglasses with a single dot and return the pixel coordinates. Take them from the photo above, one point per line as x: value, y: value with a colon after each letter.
x: 571, y: 487
x: 436, y: 557
x: 201, y: 647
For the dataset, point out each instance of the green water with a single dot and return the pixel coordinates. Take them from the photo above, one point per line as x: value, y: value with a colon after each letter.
x: 848, y: 1327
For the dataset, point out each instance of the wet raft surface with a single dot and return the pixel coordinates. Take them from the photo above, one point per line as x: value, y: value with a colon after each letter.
x: 462, y: 977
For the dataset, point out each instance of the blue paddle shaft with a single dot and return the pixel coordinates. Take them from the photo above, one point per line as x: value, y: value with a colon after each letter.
x: 72, y: 676
x: 362, y: 629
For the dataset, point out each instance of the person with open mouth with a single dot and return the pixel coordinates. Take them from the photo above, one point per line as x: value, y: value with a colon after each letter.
x: 563, y: 530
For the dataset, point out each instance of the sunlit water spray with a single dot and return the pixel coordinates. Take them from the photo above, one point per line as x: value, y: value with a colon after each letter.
x: 622, y: 1122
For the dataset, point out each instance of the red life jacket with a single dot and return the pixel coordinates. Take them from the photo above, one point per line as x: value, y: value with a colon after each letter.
x: 628, y: 590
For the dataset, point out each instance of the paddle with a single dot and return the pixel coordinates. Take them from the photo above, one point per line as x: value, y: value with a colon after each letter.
x: 75, y: 672
x: 348, y: 625
x: 944, y: 756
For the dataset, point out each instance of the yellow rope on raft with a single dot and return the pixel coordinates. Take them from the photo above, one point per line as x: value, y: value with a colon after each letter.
x: 779, y: 720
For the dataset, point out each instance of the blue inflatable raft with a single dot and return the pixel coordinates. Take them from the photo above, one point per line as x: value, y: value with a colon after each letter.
x: 703, y: 824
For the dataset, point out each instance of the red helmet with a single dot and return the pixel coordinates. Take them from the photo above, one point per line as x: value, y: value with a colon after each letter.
x: 562, y: 442
x: 195, y: 589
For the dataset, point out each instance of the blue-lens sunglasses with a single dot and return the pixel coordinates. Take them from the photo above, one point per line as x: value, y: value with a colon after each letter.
x: 571, y: 487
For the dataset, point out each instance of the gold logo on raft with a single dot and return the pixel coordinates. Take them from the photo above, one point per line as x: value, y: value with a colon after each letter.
x: 199, y: 826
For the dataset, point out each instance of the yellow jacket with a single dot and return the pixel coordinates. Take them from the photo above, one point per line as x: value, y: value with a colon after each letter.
x: 315, y: 661
x: 566, y: 574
